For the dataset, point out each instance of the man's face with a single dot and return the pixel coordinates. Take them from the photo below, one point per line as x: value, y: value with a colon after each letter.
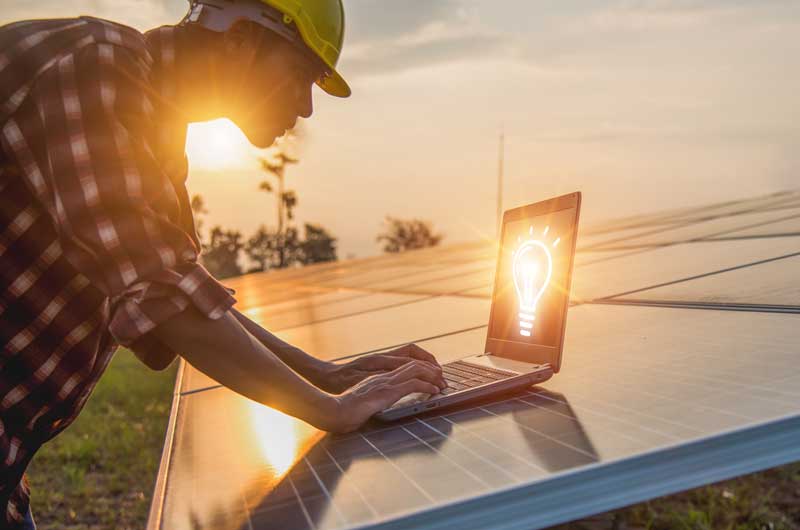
x: 270, y: 88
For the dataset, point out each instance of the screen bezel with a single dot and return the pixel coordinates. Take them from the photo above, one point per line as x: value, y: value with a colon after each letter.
x: 535, y: 353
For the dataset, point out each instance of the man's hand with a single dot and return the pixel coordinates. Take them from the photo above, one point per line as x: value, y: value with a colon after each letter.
x: 378, y: 392
x: 336, y: 378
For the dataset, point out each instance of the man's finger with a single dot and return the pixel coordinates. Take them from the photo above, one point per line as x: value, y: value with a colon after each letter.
x: 415, y: 385
x: 382, y: 362
x: 418, y: 370
x: 416, y: 352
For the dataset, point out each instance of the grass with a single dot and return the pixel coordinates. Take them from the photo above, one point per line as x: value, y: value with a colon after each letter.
x: 769, y: 500
x: 99, y: 473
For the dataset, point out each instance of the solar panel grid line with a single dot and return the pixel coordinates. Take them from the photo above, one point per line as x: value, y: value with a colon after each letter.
x: 678, y: 213
x: 485, y: 440
x: 547, y: 502
x: 301, y: 503
x: 764, y: 203
x: 652, y: 417
x: 327, y: 493
x: 711, y: 236
x: 580, y: 408
x: 753, y: 343
x: 663, y: 435
x: 400, y: 470
x: 727, y: 381
x: 466, y: 471
x: 605, y: 245
x: 358, y: 491
x: 537, y: 432
x: 474, y: 453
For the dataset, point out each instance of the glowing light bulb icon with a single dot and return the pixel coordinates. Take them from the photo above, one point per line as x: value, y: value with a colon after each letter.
x: 532, y: 268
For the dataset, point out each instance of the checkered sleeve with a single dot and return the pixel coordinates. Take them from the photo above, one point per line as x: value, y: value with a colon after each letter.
x: 117, y: 211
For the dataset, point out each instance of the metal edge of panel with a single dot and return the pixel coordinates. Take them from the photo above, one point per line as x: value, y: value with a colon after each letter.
x: 714, y: 306
x: 601, y: 487
x: 159, y: 490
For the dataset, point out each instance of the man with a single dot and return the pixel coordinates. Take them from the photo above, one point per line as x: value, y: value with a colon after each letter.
x: 97, y: 240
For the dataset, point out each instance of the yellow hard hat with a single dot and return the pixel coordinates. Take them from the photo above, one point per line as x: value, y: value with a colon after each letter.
x: 318, y: 23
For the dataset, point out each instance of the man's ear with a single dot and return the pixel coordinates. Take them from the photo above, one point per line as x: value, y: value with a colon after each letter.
x: 243, y: 40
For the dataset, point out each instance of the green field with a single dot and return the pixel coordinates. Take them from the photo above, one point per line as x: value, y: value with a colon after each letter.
x: 99, y: 473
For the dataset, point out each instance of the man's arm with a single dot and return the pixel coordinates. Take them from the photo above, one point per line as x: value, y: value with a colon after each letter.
x: 225, y: 350
x: 308, y: 366
x: 336, y: 377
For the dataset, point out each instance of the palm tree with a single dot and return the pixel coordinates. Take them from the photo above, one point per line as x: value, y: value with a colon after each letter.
x: 287, y: 200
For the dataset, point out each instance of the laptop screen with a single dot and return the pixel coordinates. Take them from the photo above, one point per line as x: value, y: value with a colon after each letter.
x: 531, y: 288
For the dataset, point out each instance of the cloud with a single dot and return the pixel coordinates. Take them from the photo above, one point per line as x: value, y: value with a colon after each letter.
x: 396, y: 57
x: 382, y: 20
x: 648, y: 15
x: 386, y: 37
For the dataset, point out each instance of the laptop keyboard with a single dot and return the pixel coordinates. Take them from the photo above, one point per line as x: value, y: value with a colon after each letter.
x: 461, y: 375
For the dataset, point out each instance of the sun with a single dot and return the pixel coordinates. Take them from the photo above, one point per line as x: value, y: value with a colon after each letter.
x: 217, y: 144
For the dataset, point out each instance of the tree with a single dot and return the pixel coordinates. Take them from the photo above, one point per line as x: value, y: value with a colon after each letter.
x: 199, y: 210
x: 221, y: 256
x: 319, y: 245
x: 275, y: 166
x: 267, y: 248
x: 407, y: 234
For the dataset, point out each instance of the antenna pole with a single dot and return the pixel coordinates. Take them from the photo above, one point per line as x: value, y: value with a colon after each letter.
x: 500, y: 161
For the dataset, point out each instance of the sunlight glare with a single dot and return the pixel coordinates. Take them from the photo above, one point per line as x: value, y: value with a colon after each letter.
x: 277, y: 435
x: 217, y: 144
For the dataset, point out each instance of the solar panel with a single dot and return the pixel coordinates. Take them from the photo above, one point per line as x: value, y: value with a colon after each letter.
x: 644, y: 269
x: 775, y: 283
x: 717, y: 227
x: 638, y: 383
x: 786, y: 199
x: 663, y: 387
x: 788, y: 227
x: 320, y: 309
x: 395, y: 325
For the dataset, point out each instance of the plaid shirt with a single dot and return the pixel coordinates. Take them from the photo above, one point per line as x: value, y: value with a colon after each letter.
x: 97, y: 240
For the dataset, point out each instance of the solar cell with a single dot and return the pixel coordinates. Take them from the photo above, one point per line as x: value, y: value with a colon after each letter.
x: 698, y: 386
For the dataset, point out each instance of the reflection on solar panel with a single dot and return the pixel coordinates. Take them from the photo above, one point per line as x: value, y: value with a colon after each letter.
x: 663, y: 387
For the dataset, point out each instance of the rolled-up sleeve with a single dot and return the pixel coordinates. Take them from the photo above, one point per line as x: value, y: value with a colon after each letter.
x: 116, y: 209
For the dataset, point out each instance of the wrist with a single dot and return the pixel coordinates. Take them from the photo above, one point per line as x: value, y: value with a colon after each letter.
x: 329, y: 413
x: 319, y: 372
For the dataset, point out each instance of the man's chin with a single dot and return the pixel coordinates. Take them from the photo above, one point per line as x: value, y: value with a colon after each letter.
x: 262, y: 141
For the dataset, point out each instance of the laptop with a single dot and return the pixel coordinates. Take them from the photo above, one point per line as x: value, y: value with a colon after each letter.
x: 528, y: 315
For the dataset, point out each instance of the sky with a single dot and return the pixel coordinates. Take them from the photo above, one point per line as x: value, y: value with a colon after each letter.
x: 641, y: 105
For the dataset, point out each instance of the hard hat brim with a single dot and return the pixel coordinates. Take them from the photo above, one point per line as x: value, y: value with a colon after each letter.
x: 335, y: 85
